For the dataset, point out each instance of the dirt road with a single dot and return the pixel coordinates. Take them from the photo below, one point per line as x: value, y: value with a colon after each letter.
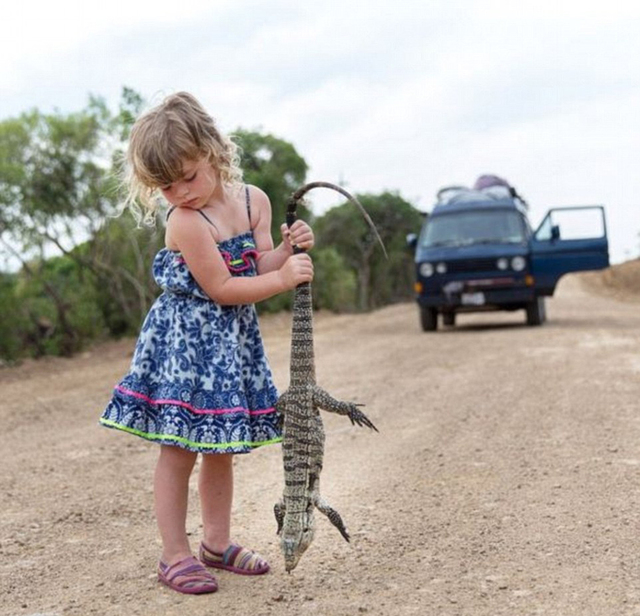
x: 505, y: 479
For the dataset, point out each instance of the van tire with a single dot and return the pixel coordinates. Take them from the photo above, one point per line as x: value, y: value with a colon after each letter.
x: 449, y: 318
x: 428, y: 319
x: 536, y: 312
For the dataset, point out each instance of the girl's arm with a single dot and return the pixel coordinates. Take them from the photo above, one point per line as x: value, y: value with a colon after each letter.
x: 191, y: 234
x: 271, y: 258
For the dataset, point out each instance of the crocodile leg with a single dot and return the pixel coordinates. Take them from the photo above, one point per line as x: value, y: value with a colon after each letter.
x: 279, y: 509
x: 334, y: 517
x: 322, y: 400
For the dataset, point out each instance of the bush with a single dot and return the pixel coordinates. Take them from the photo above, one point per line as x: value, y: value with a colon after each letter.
x: 60, y: 324
x: 334, y: 285
x: 13, y: 323
x: 380, y: 281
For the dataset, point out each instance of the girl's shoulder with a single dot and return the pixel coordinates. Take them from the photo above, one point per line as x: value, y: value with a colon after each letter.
x: 259, y: 203
x: 257, y: 195
x: 178, y: 217
x: 185, y: 225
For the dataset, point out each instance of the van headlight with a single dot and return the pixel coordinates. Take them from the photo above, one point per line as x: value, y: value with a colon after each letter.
x: 426, y: 270
x: 502, y: 263
x: 441, y: 268
x: 518, y: 263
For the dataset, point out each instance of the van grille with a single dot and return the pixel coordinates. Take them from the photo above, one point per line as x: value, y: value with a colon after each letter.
x: 472, y: 265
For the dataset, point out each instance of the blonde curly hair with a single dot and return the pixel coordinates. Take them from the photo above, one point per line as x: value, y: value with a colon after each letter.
x: 162, y: 140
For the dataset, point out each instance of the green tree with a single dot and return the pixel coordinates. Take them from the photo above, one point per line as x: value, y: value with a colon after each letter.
x: 334, y: 285
x: 13, y: 323
x: 60, y: 195
x: 57, y: 189
x: 127, y: 252
x: 275, y: 166
x: 379, y: 281
x: 43, y: 333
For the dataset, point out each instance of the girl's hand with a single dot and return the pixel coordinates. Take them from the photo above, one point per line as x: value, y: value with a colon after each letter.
x: 296, y: 270
x: 300, y: 234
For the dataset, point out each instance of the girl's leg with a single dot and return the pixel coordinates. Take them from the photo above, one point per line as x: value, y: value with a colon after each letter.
x: 216, y: 495
x: 171, y: 489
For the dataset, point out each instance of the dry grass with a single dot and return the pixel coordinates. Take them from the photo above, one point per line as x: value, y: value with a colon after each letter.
x: 621, y: 281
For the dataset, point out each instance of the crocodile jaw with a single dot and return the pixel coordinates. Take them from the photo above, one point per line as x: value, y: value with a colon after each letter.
x: 294, y: 545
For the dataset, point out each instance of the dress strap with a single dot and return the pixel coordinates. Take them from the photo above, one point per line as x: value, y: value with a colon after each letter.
x: 199, y: 212
x: 207, y: 219
x: 248, y: 201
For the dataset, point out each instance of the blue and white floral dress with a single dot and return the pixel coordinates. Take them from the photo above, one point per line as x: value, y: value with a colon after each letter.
x: 199, y: 377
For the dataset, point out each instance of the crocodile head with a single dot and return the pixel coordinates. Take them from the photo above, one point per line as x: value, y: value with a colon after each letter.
x: 296, y: 538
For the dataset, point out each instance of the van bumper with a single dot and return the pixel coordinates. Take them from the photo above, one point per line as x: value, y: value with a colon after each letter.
x: 477, y: 298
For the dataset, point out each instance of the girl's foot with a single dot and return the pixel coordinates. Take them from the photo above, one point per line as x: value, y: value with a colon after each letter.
x: 235, y: 559
x: 187, y: 576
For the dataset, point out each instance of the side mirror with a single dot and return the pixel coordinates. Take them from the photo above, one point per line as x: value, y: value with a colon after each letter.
x: 412, y: 240
x: 555, y: 233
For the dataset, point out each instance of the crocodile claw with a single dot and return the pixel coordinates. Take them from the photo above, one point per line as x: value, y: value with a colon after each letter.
x: 358, y: 418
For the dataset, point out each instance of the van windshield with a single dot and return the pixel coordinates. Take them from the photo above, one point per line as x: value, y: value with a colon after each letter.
x: 477, y: 227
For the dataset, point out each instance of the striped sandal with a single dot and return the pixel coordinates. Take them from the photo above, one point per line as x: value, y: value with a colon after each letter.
x: 235, y: 559
x: 187, y: 576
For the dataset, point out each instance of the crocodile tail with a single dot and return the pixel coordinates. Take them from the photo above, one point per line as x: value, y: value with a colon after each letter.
x: 292, y: 205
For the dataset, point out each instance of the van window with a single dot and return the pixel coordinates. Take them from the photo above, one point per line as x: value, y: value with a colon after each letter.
x: 572, y: 223
x: 474, y: 227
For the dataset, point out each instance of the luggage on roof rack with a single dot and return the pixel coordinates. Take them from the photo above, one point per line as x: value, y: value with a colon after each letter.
x: 487, y: 188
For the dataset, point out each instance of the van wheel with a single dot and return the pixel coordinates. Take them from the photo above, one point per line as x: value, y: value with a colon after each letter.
x: 536, y: 312
x: 449, y: 318
x: 429, y: 319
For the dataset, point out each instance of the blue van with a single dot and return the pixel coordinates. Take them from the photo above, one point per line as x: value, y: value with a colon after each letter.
x: 478, y: 252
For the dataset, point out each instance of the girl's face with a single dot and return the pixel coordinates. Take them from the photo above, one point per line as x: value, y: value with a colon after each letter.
x: 195, y: 189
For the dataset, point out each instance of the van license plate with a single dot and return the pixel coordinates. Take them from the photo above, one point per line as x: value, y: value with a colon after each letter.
x: 472, y: 299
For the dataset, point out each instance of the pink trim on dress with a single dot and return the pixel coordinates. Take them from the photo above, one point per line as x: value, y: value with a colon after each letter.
x: 245, y: 255
x: 237, y: 409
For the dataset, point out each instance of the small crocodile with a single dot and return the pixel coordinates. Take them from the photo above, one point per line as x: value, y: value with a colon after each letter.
x: 303, y: 431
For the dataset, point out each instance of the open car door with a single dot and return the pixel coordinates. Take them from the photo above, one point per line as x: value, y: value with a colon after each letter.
x: 569, y: 239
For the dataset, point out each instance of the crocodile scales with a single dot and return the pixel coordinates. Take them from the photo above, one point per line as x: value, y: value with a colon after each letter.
x: 303, y: 431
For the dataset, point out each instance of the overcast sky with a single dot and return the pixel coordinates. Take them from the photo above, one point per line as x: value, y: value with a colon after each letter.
x: 403, y: 95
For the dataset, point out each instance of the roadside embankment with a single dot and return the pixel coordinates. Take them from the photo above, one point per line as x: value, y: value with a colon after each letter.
x: 621, y: 281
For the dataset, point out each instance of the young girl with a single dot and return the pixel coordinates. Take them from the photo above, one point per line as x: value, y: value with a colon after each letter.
x: 199, y: 380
